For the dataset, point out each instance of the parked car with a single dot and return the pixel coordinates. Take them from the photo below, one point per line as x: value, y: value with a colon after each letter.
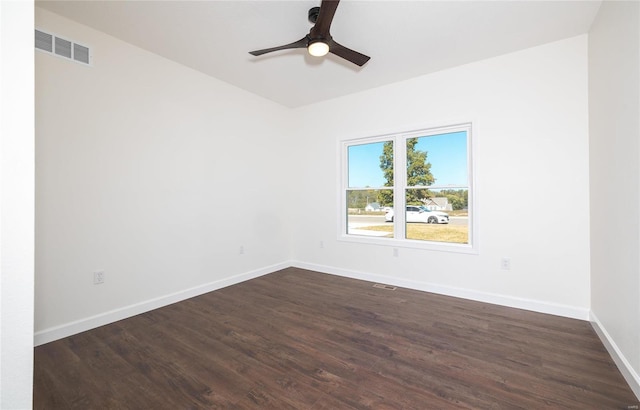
x: 421, y: 214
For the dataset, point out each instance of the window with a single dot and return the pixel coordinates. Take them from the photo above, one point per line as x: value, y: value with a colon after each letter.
x: 410, y: 189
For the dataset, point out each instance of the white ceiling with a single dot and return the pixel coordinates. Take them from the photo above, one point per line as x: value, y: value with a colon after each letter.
x: 404, y: 39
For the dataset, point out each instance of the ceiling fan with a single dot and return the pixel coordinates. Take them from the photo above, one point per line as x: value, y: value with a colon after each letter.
x: 319, y: 41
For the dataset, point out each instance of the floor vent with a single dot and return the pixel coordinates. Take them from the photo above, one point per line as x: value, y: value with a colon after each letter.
x: 52, y: 44
x: 381, y: 286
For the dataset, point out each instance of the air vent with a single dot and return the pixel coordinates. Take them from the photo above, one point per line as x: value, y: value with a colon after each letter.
x: 386, y: 287
x: 44, y: 41
x: 61, y: 47
x: 81, y: 53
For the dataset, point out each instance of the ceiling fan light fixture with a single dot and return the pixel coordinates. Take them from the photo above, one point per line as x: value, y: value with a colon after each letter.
x: 319, y: 41
x: 318, y: 48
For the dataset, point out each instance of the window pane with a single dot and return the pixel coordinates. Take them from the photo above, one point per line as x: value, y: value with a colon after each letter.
x: 433, y: 182
x: 435, y: 218
x: 438, y: 160
x: 365, y: 214
x: 370, y: 165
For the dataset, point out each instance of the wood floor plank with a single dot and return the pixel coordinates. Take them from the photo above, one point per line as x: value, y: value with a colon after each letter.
x: 297, y: 339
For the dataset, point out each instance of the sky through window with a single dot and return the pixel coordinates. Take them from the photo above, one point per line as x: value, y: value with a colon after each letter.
x: 447, y: 154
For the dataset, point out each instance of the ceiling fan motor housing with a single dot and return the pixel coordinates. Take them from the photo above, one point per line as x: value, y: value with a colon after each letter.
x: 313, y: 14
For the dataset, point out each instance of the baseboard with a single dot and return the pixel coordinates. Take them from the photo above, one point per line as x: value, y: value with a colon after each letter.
x: 629, y: 374
x: 92, y: 322
x: 496, y: 299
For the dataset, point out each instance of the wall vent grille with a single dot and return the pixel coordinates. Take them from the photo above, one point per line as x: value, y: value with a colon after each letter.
x: 81, y: 53
x: 63, y: 47
x: 44, y: 41
x: 53, y: 44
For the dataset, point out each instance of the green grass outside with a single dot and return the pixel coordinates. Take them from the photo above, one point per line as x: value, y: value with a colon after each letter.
x: 429, y: 232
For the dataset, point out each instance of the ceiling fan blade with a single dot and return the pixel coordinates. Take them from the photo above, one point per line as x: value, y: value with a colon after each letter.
x: 348, y: 54
x: 325, y: 17
x: 302, y: 43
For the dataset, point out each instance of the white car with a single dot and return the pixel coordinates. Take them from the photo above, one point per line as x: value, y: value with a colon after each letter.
x: 421, y: 214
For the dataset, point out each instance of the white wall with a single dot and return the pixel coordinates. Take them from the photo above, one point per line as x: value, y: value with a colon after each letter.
x: 529, y: 111
x: 16, y: 205
x: 614, y: 113
x: 155, y: 174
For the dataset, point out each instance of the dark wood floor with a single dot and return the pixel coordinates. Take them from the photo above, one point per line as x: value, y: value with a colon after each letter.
x: 297, y: 339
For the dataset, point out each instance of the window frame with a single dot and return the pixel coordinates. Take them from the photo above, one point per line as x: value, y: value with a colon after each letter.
x: 399, y: 239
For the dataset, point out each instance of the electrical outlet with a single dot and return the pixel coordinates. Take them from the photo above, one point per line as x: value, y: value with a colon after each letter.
x: 395, y: 252
x: 241, y: 249
x: 505, y: 264
x: 321, y: 244
x: 98, y: 277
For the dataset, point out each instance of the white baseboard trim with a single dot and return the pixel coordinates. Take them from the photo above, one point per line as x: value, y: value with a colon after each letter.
x: 496, y: 299
x: 629, y: 374
x: 92, y: 322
